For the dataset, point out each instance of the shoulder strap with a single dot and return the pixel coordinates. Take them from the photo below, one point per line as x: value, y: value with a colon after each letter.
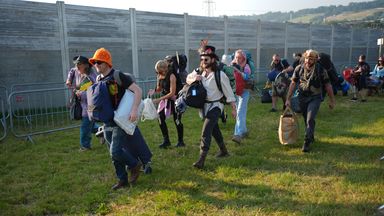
x: 218, y: 80
x: 116, y: 77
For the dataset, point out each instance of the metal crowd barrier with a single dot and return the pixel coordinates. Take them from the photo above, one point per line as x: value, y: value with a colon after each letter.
x: 39, y: 111
x: 3, y: 112
x: 145, y: 85
x: 35, y: 86
x: 33, y: 111
x: 3, y: 120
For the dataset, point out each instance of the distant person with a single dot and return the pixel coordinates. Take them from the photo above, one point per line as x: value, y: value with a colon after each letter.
x: 296, y: 61
x: 124, y: 149
x: 280, y: 65
x: 80, y: 78
x: 167, y: 85
x: 213, y: 106
x: 361, y: 73
x: 311, y: 78
x: 244, y: 72
x: 376, y: 78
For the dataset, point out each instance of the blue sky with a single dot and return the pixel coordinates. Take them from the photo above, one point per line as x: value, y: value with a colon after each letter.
x: 218, y: 7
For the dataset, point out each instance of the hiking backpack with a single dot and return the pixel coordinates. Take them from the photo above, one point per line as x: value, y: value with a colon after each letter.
x: 327, y: 64
x: 177, y: 66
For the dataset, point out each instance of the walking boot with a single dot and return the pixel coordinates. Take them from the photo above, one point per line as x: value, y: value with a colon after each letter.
x: 306, y: 147
x: 165, y: 143
x: 200, y: 163
x: 223, y: 151
x: 135, y: 172
x: 119, y: 185
x: 180, y: 144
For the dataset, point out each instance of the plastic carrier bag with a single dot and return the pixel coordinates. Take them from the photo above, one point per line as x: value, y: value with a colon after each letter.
x: 121, y: 114
x: 149, y: 111
x: 288, y: 127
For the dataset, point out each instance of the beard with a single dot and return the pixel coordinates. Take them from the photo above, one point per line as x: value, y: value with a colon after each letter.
x: 207, y: 65
x: 308, y: 65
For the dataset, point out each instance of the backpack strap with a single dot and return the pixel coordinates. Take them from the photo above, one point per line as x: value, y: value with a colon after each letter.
x: 116, y: 77
x: 218, y: 80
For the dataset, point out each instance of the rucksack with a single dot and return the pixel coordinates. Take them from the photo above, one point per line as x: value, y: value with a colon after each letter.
x: 177, y: 66
x: 195, y: 94
x: 250, y: 63
x: 99, y: 102
x: 100, y: 107
x: 327, y: 64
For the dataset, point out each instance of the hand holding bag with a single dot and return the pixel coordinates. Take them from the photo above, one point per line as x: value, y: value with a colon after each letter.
x: 75, y: 111
x: 288, y: 127
x: 149, y: 111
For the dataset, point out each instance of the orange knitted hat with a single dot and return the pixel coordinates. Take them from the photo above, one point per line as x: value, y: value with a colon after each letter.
x: 103, y: 55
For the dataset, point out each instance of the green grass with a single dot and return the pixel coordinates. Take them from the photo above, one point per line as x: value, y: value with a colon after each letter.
x: 341, y: 176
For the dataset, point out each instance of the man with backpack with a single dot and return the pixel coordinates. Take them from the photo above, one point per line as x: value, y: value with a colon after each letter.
x: 124, y: 149
x: 213, y: 106
x: 282, y: 66
x: 311, y: 77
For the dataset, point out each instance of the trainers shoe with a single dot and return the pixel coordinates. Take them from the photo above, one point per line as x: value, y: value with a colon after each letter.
x: 119, y: 185
x: 236, y: 139
x: 147, y: 168
x: 83, y: 149
x: 273, y: 110
x: 353, y: 99
x: 245, y: 135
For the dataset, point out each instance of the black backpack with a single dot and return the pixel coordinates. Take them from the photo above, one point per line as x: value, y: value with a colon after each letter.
x: 195, y: 94
x: 177, y: 66
x: 327, y: 64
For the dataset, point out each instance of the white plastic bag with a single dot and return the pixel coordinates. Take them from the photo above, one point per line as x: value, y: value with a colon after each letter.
x: 150, y: 111
x: 121, y: 116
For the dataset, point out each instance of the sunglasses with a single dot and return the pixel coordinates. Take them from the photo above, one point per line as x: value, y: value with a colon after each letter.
x: 98, y: 62
x: 204, y: 59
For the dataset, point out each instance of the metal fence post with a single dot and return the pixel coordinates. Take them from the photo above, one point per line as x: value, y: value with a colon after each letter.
x: 135, y: 59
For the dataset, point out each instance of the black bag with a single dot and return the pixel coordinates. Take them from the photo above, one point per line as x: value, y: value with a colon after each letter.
x: 266, y: 96
x: 194, y: 94
x: 327, y: 64
x: 75, y: 109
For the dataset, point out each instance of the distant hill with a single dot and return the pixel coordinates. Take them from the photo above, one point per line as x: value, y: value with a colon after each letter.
x: 365, y: 14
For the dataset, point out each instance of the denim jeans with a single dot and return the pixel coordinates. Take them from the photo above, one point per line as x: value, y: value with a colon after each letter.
x: 309, y: 106
x: 118, y: 148
x: 85, y: 132
x: 241, y: 118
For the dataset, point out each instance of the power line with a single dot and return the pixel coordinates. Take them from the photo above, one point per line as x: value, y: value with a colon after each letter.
x: 209, y: 6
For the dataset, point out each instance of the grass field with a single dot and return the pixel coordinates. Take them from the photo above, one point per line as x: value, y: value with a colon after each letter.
x: 342, y: 175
